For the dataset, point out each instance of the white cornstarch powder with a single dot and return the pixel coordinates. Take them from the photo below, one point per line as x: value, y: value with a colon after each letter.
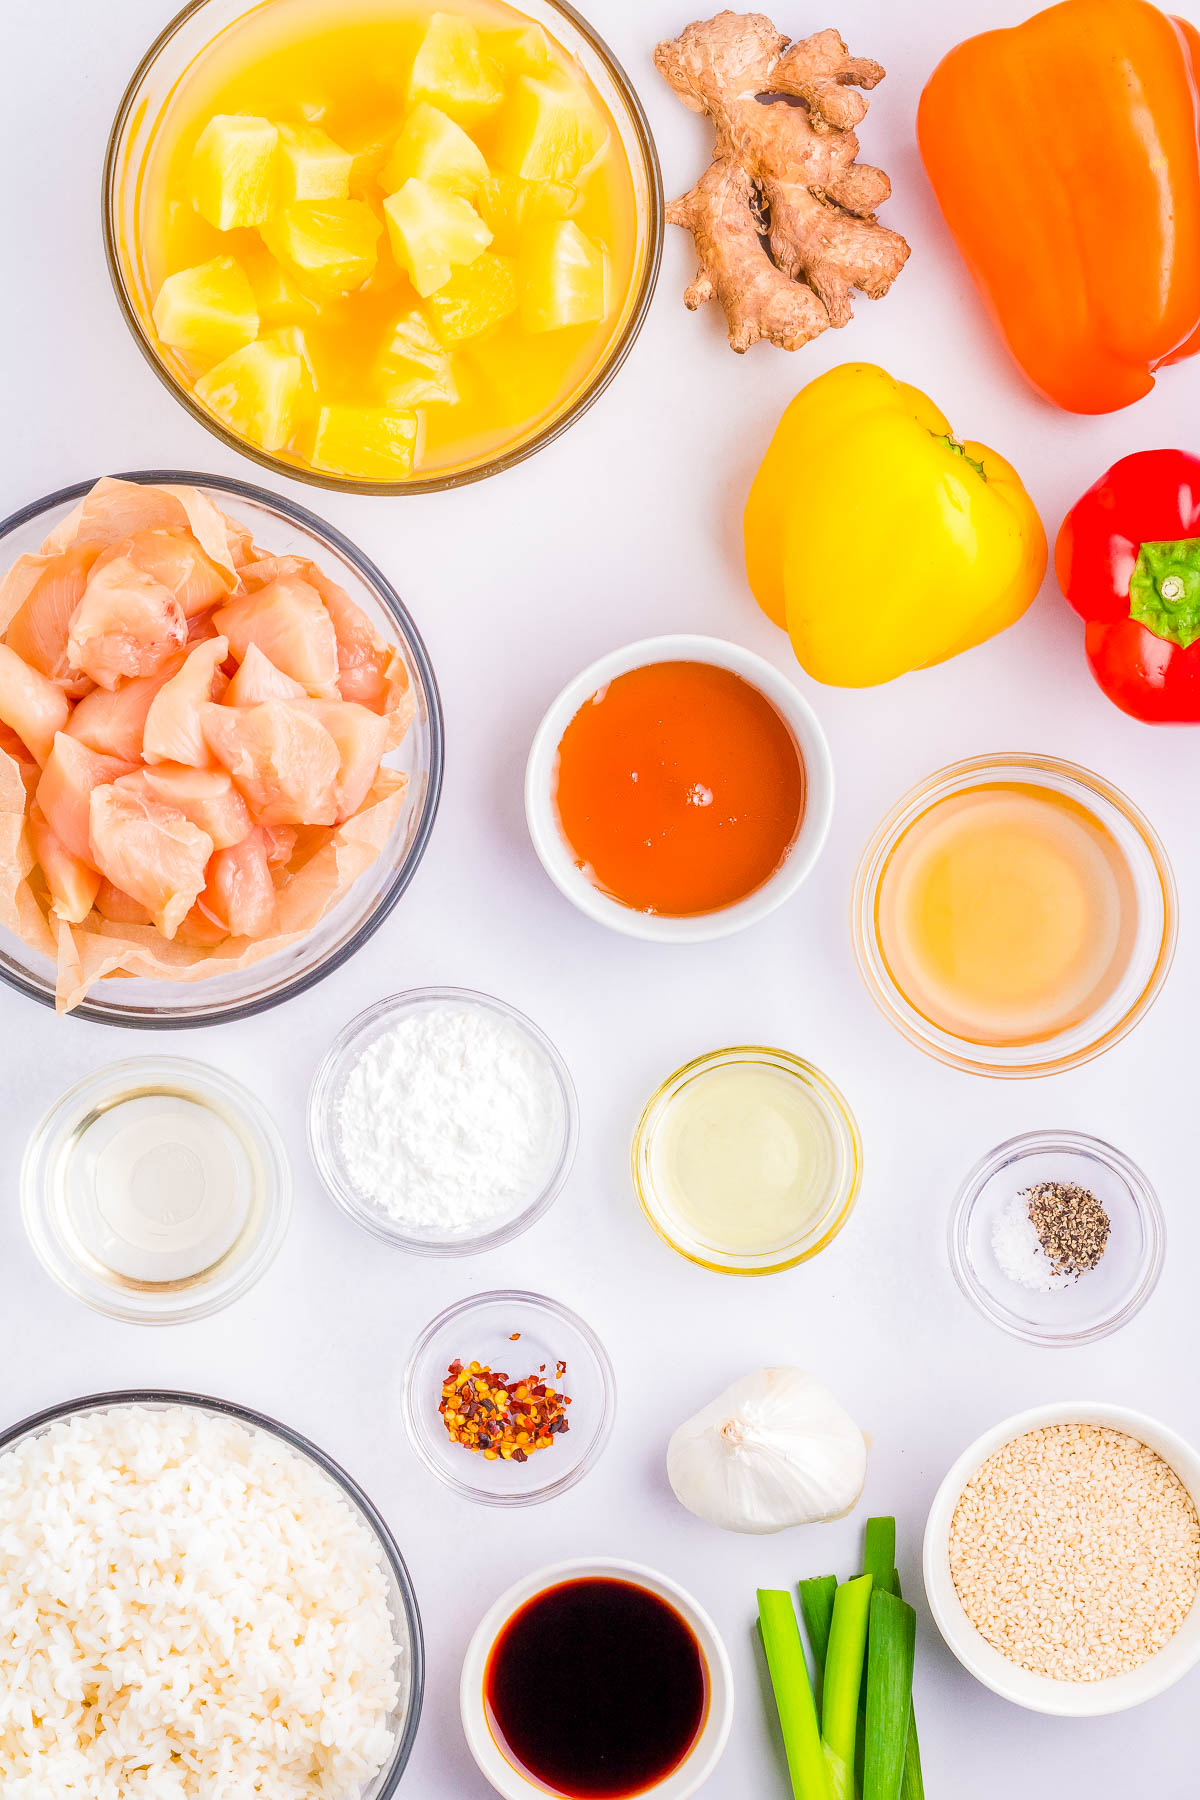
x: 449, y: 1119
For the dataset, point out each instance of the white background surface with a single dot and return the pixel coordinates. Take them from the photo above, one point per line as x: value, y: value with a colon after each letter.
x: 630, y: 525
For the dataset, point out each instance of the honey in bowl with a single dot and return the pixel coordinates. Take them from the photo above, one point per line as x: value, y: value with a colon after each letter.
x: 1007, y: 914
x: 596, y: 1689
x: 679, y: 788
x: 381, y: 241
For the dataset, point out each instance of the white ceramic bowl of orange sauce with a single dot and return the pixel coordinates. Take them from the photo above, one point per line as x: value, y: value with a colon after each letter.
x: 557, y: 855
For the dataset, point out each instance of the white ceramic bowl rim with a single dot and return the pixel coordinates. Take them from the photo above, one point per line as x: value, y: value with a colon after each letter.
x: 553, y: 851
x: 709, y: 1746
x: 1038, y: 1693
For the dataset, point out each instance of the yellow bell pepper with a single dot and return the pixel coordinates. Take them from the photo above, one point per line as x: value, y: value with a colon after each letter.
x: 879, y: 541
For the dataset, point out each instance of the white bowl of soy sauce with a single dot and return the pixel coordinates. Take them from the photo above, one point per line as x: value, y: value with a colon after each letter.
x: 596, y: 1678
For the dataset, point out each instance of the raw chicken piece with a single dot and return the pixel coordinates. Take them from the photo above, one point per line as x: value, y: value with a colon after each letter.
x: 149, y: 851
x: 361, y: 738
x: 38, y: 600
x: 205, y: 796
x: 199, y: 932
x: 239, y: 893
x: 115, y: 510
x: 258, y: 679
x: 14, y: 748
x: 175, y: 559
x: 34, y: 706
x: 72, y: 884
x: 281, y: 842
x: 113, y: 723
x: 173, y: 731
x: 288, y: 622
x: 119, y: 908
x: 127, y: 624
x: 283, y: 760
x: 370, y: 671
x: 65, y: 790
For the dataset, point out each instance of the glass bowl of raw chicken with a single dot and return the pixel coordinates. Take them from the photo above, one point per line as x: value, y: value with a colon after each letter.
x: 220, y: 749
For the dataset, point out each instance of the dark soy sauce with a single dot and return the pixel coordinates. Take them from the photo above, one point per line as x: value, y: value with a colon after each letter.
x: 596, y: 1688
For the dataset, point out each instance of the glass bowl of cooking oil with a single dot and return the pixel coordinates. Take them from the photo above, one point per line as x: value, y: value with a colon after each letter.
x: 747, y: 1160
x: 1014, y: 915
x: 156, y: 1190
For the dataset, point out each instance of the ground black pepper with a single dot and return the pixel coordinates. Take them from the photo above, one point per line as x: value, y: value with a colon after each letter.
x: 1071, y: 1225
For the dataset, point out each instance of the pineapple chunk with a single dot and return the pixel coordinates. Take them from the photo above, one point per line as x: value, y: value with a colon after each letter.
x: 279, y: 300
x: 506, y: 203
x: 550, y: 131
x: 330, y: 244
x: 292, y: 340
x: 413, y: 368
x: 433, y: 148
x: 452, y: 71
x: 365, y: 440
x: 310, y: 166
x: 522, y: 51
x: 477, y: 299
x: 208, y: 311
x: 256, y: 392
x: 564, y: 277
x: 432, y: 232
x: 365, y: 165
x: 232, y: 176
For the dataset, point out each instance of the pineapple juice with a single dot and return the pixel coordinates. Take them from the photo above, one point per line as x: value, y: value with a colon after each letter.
x: 401, y: 373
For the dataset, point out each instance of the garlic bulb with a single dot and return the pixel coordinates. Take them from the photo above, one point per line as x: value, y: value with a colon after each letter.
x: 773, y: 1450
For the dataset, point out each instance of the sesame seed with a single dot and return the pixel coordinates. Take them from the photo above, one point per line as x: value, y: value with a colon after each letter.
x: 1075, y: 1551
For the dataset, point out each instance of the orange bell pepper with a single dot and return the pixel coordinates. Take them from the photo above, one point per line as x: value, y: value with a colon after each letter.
x: 1065, y: 156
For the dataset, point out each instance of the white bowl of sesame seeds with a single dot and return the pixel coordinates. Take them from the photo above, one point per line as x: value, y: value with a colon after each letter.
x: 1062, y: 1559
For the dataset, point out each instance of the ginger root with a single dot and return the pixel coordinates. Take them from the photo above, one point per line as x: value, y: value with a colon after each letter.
x: 784, y: 216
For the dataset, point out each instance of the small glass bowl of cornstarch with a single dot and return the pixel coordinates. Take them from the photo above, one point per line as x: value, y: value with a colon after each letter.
x: 1062, y: 1558
x: 443, y: 1121
x: 1109, y: 1250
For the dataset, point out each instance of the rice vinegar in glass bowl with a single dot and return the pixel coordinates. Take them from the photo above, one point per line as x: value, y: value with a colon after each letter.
x: 1014, y: 915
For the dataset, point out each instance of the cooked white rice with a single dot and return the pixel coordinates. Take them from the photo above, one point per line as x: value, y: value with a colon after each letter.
x: 188, y: 1607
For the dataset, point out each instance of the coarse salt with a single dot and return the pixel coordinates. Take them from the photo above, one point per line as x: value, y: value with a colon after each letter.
x: 1018, y: 1250
x: 449, y: 1120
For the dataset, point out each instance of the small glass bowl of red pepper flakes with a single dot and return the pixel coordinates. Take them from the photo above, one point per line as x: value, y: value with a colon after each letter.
x: 508, y: 1425
x: 493, y: 1416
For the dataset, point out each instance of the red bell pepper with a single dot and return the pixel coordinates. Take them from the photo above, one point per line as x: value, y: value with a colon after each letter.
x: 1128, y: 560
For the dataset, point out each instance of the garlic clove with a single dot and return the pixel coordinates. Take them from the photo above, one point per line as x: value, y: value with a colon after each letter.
x: 774, y: 1450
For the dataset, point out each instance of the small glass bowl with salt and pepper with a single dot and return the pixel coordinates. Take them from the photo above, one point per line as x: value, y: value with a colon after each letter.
x: 1057, y: 1237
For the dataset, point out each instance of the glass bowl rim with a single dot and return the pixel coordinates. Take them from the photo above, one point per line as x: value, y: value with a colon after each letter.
x: 1085, y: 785
x: 295, y: 1440
x: 414, y: 650
x: 833, y: 1104
x: 655, y: 232
x: 370, y: 1219
x: 1075, y: 1143
x: 601, y: 1362
x: 261, y: 1253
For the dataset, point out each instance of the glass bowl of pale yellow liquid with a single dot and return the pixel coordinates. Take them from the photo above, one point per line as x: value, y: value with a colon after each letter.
x: 747, y: 1160
x: 1014, y: 915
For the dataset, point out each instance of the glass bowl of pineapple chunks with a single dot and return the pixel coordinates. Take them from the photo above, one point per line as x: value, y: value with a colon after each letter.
x: 380, y: 247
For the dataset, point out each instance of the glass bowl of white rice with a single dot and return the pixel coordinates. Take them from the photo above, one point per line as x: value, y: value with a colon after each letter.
x: 196, y: 1600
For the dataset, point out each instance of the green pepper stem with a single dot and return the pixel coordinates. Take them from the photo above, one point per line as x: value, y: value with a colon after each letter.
x: 955, y: 444
x: 1164, y: 590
